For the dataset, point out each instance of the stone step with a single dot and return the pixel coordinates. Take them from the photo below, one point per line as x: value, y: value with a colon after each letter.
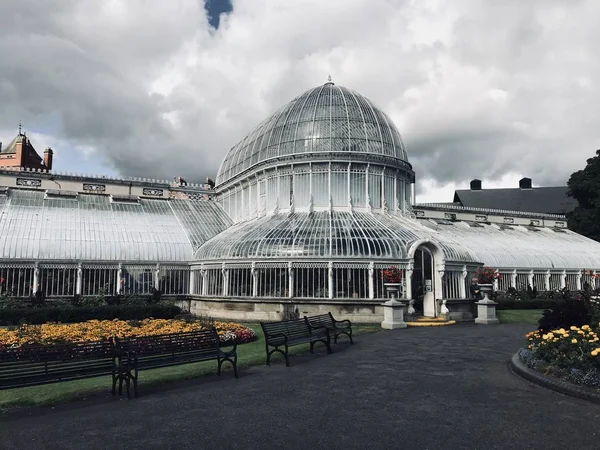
x: 433, y: 322
x: 430, y: 319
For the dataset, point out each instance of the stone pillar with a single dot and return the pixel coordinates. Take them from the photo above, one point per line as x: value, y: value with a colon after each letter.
x: 254, y: 274
x: 192, y: 289
x: 462, y: 287
x: 79, y: 282
x: 578, y: 281
x: 330, y: 278
x: 120, y: 280
x: 486, y: 311
x: 513, y: 279
x: 563, y: 279
x: 371, y: 280
x: 291, y: 280
x: 225, y: 272
x: 547, y: 281
x: 594, y: 283
x: 157, y: 277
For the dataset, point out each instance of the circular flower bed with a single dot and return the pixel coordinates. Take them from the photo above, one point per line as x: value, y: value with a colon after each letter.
x: 93, y: 330
x: 572, y: 354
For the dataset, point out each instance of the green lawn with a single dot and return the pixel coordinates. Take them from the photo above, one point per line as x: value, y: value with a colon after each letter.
x: 249, y: 354
x: 530, y: 316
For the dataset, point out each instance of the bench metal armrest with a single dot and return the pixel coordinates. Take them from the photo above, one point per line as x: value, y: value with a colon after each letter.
x: 343, y: 321
x: 226, y: 344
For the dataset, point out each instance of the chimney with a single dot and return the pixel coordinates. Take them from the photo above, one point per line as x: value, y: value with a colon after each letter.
x: 475, y: 185
x: 0, y: 146
x: 48, y: 154
x: 525, y: 183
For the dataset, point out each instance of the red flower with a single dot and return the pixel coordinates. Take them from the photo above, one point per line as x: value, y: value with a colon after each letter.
x: 392, y: 275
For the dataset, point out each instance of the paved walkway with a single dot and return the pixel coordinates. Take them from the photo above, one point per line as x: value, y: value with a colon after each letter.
x: 435, y: 388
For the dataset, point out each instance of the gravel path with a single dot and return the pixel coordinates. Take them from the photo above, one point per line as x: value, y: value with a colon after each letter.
x: 429, y: 388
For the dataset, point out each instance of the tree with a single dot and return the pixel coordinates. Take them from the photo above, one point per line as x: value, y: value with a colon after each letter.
x: 584, y: 186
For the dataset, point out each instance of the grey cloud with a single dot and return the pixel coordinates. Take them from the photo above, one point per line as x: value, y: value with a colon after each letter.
x: 433, y: 70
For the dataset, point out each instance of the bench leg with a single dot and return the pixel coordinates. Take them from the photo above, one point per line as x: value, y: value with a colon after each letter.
x: 134, y: 379
x: 287, y: 358
x: 113, y: 391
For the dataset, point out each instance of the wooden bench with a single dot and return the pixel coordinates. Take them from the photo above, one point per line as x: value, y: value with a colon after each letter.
x: 150, y: 352
x: 335, y: 327
x: 292, y: 332
x: 43, y: 364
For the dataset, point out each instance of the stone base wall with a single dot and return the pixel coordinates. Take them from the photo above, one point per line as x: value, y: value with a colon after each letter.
x: 257, y: 310
x: 461, y: 310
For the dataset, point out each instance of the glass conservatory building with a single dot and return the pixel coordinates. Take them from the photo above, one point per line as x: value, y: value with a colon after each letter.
x: 308, y: 210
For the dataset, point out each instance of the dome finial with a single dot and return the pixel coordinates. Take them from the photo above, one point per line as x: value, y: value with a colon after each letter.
x: 329, y: 78
x: 20, y: 126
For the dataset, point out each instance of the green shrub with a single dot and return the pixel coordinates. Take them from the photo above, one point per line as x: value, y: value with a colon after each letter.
x: 526, y: 304
x: 14, y: 316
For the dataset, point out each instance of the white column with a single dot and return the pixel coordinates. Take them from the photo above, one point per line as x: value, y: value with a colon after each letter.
x: 192, y: 282
x: 594, y: 283
x: 79, y: 282
x: 254, y: 274
x: 371, y: 280
x: 547, y: 281
x: 349, y: 190
x: 225, y: 273
x: 396, y: 206
x: 408, y: 279
x: 530, y: 278
x: 157, y: 277
x: 36, y: 277
x: 120, y: 280
x: 578, y: 281
x: 291, y: 280
x: 462, y: 288
x: 513, y: 279
x: 203, y: 273
x: 330, y: 278
x: 563, y: 279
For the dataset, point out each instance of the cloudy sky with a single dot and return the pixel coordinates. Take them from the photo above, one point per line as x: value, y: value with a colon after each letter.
x: 153, y: 88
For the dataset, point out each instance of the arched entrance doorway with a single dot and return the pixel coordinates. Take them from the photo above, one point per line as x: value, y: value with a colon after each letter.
x: 423, y: 282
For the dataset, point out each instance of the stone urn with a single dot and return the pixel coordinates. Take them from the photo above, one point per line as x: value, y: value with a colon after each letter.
x: 393, y: 289
x: 486, y: 289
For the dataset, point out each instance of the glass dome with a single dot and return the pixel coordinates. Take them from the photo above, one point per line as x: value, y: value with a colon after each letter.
x: 324, y: 122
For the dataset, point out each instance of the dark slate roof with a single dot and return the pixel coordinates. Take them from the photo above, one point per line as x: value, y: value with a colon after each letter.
x: 549, y: 200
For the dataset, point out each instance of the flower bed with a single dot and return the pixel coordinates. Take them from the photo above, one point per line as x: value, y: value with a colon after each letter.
x: 571, y: 354
x: 93, y: 330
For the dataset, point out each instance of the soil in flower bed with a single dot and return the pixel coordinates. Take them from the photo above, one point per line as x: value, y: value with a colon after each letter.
x: 93, y: 330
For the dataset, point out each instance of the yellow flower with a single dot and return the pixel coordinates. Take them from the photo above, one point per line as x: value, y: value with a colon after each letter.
x: 574, y: 328
x: 573, y: 341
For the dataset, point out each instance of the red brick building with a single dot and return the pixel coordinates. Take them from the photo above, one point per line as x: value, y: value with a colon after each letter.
x: 20, y: 153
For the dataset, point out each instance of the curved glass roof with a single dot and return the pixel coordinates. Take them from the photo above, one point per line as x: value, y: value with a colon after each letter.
x: 326, y: 120
x: 91, y: 228
x: 357, y: 235
x: 517, y: 247
x: 318, y: 235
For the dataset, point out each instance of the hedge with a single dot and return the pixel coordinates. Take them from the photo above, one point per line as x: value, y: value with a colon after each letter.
x: 526, y: 304
x: 66, y: 314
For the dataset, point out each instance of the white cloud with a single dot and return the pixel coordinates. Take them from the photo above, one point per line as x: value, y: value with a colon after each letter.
x: 478, y: 89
